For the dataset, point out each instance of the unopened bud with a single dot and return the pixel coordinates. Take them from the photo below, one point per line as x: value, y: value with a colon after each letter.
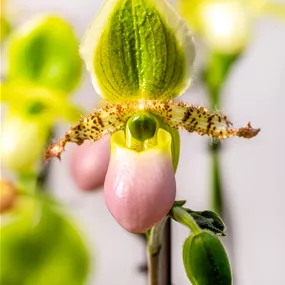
x: 206, y: 261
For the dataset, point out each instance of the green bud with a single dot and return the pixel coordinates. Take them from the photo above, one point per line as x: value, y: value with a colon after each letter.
x: 205, y: 260
x: 45, y: 51
x: 142, y: 126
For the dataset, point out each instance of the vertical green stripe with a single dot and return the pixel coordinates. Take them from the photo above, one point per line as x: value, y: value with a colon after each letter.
x: 138, y: 55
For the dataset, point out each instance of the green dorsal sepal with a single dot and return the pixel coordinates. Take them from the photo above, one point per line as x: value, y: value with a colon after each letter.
x: 138, y: 49
x: 142, y: 126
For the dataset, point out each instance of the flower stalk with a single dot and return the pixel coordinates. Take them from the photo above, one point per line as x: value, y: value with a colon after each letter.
x: 153, y: 250
x: 218, y: 67
x: 183, y: 217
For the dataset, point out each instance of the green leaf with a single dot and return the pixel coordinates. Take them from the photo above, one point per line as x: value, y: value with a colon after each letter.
x: 205, y: 260
x: 44, y: 51
x: 208, y: 220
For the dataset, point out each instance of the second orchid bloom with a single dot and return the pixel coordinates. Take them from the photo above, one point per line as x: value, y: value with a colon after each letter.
x: 140, y: 54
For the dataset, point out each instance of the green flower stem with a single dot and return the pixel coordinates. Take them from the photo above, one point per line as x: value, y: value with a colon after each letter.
x: 183, y: 217
x: 216, y: 72
x: 166, y: 268
x: 155, y: 241
x: 217, y: 188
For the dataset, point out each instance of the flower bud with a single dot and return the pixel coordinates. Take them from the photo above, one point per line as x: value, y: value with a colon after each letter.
x: 140, y: 185
x: 205, y: 260
x: 89, y: 163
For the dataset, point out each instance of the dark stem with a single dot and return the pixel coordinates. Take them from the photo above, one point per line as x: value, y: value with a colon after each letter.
x: 154, y: 268
x: 155, y: 242
x: 42, y: 176
x: 165, y: 270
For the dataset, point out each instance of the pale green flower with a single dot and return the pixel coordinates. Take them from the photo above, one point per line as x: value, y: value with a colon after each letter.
x: 226, y: 25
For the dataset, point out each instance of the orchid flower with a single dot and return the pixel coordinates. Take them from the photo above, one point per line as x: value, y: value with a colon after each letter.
x: 38, y: 79
x: 225, y: 26
x: 140, y: 56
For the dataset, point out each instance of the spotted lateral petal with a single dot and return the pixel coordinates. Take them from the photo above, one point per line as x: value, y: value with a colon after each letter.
x: 108, y: 119
x: 178, y: 115
x: 191, y: 118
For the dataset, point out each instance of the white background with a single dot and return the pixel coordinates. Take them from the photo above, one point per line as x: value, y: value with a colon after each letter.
x: 253, y: 171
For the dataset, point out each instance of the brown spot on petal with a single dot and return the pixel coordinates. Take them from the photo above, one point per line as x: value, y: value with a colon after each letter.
x: 108, y: 119
x: 197, y: 119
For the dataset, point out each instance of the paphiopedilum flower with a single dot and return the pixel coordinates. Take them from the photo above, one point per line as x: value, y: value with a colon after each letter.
x: 43, y: 67
x: 225, y: 25
x: 140, y: 55
x: 32, y: 111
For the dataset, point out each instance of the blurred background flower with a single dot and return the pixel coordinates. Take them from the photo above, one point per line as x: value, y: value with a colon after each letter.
x: 39, y: 242
x: 4, y: 21
x: 225, y: 28
x: 43, y: 67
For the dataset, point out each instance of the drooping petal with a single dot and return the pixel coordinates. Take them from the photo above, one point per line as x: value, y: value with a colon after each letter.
x: 140, y: 186
x: 89, y: 163
x: 138, y: 49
